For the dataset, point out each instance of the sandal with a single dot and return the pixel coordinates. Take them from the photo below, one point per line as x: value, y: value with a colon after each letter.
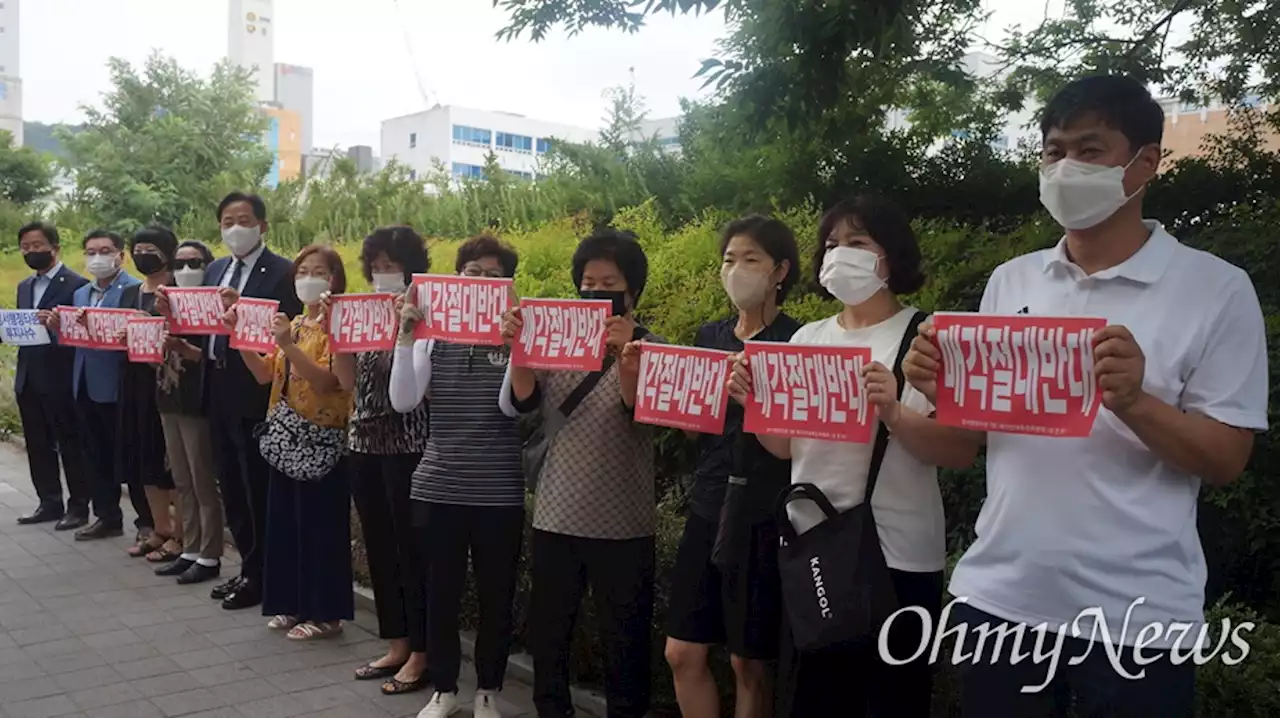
x: 282, y: 623
x: 394, y: 686
x: 166, y: 554
x: 150, y: 544
x: 370, y: 672
x: 310, y: 630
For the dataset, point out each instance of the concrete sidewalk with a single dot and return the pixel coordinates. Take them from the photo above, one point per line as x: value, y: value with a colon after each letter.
x: 87, y: 631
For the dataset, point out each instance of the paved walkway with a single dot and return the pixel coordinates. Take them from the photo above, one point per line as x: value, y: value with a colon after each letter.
x: 87, y: 631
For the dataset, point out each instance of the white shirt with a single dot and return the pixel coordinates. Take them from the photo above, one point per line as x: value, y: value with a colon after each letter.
x: 41, y: 283
x: 249, y: 261
x: 1097, y: 522
x: 907, y: 503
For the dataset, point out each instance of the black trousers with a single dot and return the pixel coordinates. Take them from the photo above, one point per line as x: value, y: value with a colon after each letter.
x: 242, y: 478
x: 98, y: 427
x: 380, y: 489
x: 856, y: 677
x: 1091, y: 689
x: 620, y: 573
x: 492, y: 537
x: 50, y: 427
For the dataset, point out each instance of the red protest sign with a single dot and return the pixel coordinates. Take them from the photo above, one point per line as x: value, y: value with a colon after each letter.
x: 106, y: 327
x: 682, y: 387
x: 72, y: 333
x: 362, y: 323
x: 1017, y: 374
x: 808, y: 392
x: 462, y: 310
x: 254, y: 319
x: 144, y: 337
x: 196, y: 310
x: 563, y: 334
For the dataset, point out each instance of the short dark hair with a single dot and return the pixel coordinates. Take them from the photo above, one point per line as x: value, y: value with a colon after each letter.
x: 486, y: 245
x: 259, y: 206
x: 331, y: 257
x: 47, y: 229
x: 889, y: 226
x: 618, y: 246
x: 204, y: 250
x: 116, y: 239
x: 401, y: 244
x: 1118, y: 101
x: 775, y: 238
x: 159, y: 235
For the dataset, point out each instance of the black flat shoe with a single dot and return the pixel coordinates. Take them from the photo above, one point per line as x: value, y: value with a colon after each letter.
x: 370, y: 672
x: 42, y: 515
x: 199, y: 573
x: 174, y: 568
x: 245, y: 596
x: 223, y: 590
x: 71, y: 521
x: 100, y: 530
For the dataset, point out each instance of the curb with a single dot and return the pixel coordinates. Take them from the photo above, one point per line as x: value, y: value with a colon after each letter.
x: 519, y: 665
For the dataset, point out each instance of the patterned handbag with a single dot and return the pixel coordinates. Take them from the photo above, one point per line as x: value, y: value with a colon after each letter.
x: 295, y: 446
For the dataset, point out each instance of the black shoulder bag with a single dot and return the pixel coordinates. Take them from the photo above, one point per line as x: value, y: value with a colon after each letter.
x: 835, y: 582
x: 534, y: 453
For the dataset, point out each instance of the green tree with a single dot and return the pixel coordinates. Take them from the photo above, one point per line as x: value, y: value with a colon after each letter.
x: 164, y: 141
x: 25, y: 175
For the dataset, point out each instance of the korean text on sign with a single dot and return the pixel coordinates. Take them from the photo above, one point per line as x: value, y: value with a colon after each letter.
x: 145, y: 338
x: 22, y: 328
x: 563, y: 334
x: 683, y: 387
x: 808, y: 392
x: 71, y: 333
x: 362, y: 323
x: 107, y: 327
x: 196, y: 310
x: 1017, y: 374
x: 254, y: 318
x: 462, y: 310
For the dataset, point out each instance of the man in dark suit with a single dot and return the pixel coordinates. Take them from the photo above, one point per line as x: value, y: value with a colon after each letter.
x: 43, y: 387
x: 237, y: 402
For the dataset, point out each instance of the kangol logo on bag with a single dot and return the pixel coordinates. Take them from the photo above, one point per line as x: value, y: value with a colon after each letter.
x: 818, y: 588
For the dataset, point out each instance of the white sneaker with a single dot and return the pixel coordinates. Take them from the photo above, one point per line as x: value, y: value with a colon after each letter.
x: 486, y: 705
x: 441, y: 705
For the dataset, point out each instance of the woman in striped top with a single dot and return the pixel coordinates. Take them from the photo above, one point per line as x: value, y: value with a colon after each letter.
x: 386, y: 447
x: 468, y: 491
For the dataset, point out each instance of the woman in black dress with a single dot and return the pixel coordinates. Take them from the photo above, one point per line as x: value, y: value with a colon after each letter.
x: 143, y: 458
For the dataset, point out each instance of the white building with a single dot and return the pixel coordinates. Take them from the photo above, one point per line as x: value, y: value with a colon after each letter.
x: 10, y: 74
x: 294, y: 90
x: 251, y: 43
x: 666, y: 130
x: 461, y: 137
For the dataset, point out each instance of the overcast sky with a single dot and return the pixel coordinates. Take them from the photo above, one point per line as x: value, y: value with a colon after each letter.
x: 364, y: 70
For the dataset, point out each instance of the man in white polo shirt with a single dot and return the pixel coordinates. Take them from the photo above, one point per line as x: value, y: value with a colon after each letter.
x: 1108, y: 522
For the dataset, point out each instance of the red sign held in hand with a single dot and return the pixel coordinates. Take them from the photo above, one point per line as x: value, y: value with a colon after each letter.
x: 461, y: 310
x: 145, y: 336
x: 362, y: 323
x: 683, y: 387
x: 808, y: 392
x: 72, y: 333
x: 561, y: 334
x: 196, y: 310
x: 106, y: 327
x: 254, y: 319
x: 1017, y: 374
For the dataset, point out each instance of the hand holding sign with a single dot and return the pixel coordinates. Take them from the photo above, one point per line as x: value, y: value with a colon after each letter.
x: 618, y: 331
x: 282, y: 330
x: 512, y: 324
x: 882, y: 392
x: 1119, y: 366
x: 739, y: 384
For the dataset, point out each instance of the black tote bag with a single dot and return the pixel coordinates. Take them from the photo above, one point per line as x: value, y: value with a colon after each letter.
x: 835, y: 583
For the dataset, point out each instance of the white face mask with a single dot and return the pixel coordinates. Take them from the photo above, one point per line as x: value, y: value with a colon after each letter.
x: 392, y: 282
x: 241, y: 240
x: 1080, y: 195
x: 189, y: 277
x: 101, y: 266
x: 747, y: 288
x: 310, y: 289
x: 850, y: 274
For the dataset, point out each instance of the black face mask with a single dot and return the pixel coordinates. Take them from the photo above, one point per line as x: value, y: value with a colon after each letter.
x: 619, y: 299
x: 149, y: 264
x: 39, y: 261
